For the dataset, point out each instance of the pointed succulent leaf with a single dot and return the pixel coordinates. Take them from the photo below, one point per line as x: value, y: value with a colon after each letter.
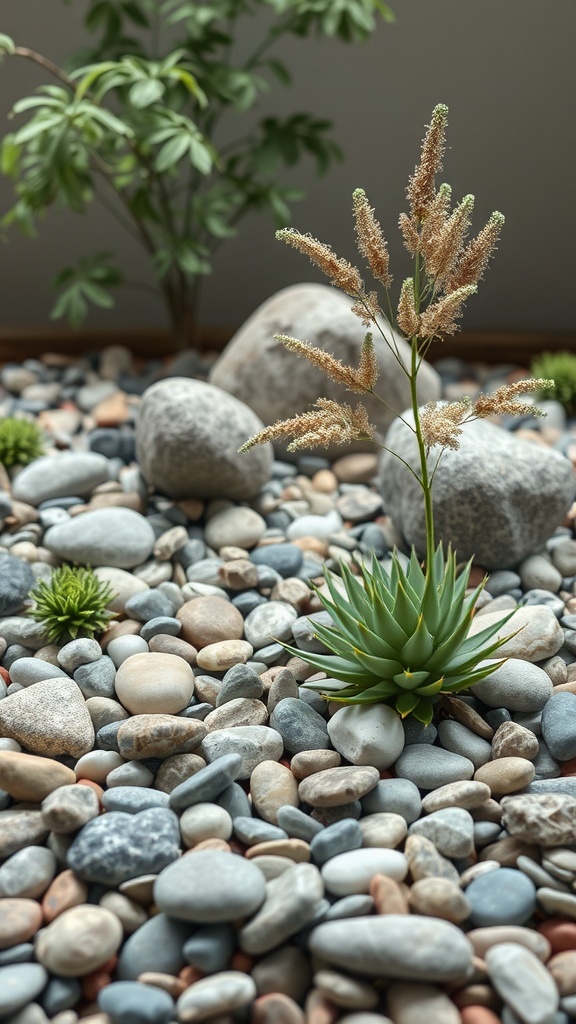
x: 424, y: 711
x: 476, y: 643
x: 419, y: 646
x: 407, y: 680
x: 371, y: 695
x: 416, y: 577
x: 450, y: 646
x: 336, y: 666
x: 431, y: 688
x: 382, y: 667
x: 460, y: 682
x: 406, y: 703
x: 404, y: 611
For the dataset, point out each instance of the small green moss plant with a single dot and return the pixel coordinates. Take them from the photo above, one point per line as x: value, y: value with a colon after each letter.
x: 20, y: 442
x: 72, y: 604
x: 401, y: 636
x: 561, y: 366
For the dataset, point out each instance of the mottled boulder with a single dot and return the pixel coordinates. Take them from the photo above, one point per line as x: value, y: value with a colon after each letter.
x: 187, y: 439
x: 497, y: 498
x: 276, y: 384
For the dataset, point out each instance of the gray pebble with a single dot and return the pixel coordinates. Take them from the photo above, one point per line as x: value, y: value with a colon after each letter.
x: 254, y: 744
x: 300, y: 726
x: 234, y: 800
x: 239, y: 681
x: 210, y: 887
x: 149, y: 604
x: 155, y: 946
x: 96, y: 679
x: 208, y: 783
x: 79, y: 652
x: 267, y: 622
x: 118, y: 846
x: 431, y: 767
x: 394, y: 796
x: 338, y: 838
x: 211, y: 947
x: 161, y: 625
x: 252, y: 831
x: 290, y: 903
x: 19, y: 985
x: 60, y: 994
x: 26, y: 671
x: 460, y: 740
x: 126, y: 1002
x: 501, y: 897
x: 297, y: 824
x: 133, y: 799
x: 450, y: 829
x: 286, y: 559
x: 132, y: 773
x: 559, y: 725
x: 27, y: 873
x: 16, y: 579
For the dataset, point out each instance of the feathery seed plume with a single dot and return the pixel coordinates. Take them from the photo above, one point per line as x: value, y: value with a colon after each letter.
x: 367, y: 308
x: 440, y: 424
x: 408, y: 319
x: 435, y: 219
x: 505, y: 399
x: 339, y: 271
x: 410, y: 234
x: 358, y: 380
x: 440, y: 317
x: 475, y: 258
x: 420, y: 189
x: 329, y: 422
x: 371, y: 241
x: 445, y: 248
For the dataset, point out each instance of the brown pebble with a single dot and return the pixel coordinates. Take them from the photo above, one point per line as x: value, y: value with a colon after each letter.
x: 490, y: 811
x: 209, y: 620
x: 20, y: 919
x: 167, y: 982
x: 139, y: 889
x: 466, y: 715
x: 467, y: 794
x: 513, y: 740
x: 390, y: 897
x: 308, y: 762
x: 478, y: 1015
x: 311, y: 544
x: 67, y: 890
x: 506, y: 775
x: 506, y: 851
x: 31, y: 778
x: 163, y: 643
x: 318, y: 1009
x: 336, y: 786
x: 439, y: 897
x: 188, y: 975
x: 242, y: 961
x: 177, y: 769
x: 212, y: 844
x: 276, y: 1008
x: 158, y: 736
x: 294, y: 849
x: 483, y: 939
x: 94, y: 982
x: 356, y: 468
x: 128, y: 627
x: 410, y: 1003
x: 562, y: 967
x: 238, y: 574
x: 477, y: 995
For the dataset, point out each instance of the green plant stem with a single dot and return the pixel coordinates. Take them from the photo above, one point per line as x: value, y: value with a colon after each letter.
x: 424, y: 475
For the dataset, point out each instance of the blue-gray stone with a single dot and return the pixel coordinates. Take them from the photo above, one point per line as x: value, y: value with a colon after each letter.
x: 60, y: 994
x: 196, y: 711
x: 164, y: 624
x: 117, y: 537
x: 211, y: 948
x: 300, y: 726
x: 501, y: 582
x: 210, y: 887
x: 286, y: 559
x: 496, y: 716
x: 26, y: 671
x: 431, y: 767
x: 16, y: 579
x: 350, y: 906
x: 565, y: 785
x: 247, y: 601
x: 267, y: 577
x: 133, y: 799
x: 545, y: 766
x: 459, y: 739
x: 297, y: 824
x: 148, y: 604
x: 502, y: 897
x: 107, y: 736
x: 253, y: 830
x: 131, y: 1002
x: 239, y: 681
x: 23, y: 953
x: 559, y: 725
x: 208, y: 783
x: 234, y: 800
x: 315, y: 700
x: 19, y: 985
x: 118, y: 846
x: 303, y: 632
x: 394, y: 796
x: 373, y: 539
x: 97, y: 678
x: 67, y: 473
x: 552, y: 601
x: 417, y: 732
x: 155, y: 946
x: 334, y: 839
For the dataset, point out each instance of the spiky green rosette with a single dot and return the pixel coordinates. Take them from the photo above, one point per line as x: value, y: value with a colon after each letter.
x: 401, y: 637
x: 20, y: 442
x: 72, y: 604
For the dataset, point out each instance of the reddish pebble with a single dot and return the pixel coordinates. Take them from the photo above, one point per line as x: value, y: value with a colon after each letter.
x: 319, y: 1010
x: 242, y: 962
x: 568, y: 767
x: 560, y: 932
x: 389, y: 897
x: 67, y: 890
x: 93, y: 983
x: 212, y: 844
x: 387, y: 773
x: 92, y: 785
x: 477, y: 995
x: 189, y: 975
x: 479, y: 1015
x: 174, y: 986
x: 5, y: 675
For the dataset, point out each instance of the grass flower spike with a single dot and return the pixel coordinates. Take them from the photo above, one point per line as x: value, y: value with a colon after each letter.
x: 400, y: 634
x: 72, y: 604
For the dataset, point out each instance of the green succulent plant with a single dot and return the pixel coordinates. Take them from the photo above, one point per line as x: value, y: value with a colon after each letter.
x: 401, y: 637
x: 20, y: 442
x: 72, y: 604
x: 561, y: 366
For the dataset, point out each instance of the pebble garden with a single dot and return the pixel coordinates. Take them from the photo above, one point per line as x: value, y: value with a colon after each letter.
x: 186, y: 832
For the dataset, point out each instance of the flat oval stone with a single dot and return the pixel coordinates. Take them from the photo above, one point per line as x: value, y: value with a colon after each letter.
x: 517, y: 685
x: 382, y: 829
x: 207, y: 620
x: 300, y: 726
x: 206, y: 783
x: 125, y: 1001
x: 340, y: 837
x: 20, y: 828
x: 116, y: 537
x: 469, y: 795
x: 155, y: 946
x: 19, y: 921
x: 158, y: 736
x: 27, y: 777
x: 505, y: 896
x: 291, y: 902
x: 335, y: 786
x: 57, y: 476
x: 27, y: 873
x: 210, y: 887
x: 483, y: 939
x: 439, y: 897
x: 523, y: 982
x: 506, y: 775
x: 352, y: 872
x: 19, y: 985
x: 394, y: 946
x: 118, y: 846
x: 221, y: 993
x: 270, y: 621
x: 79, y: 941
x: 431, y: 767
x: 272, y: 786
x: 49, y: 718
x: 369, y: 735
x: 239, y: 711
x: 223, y: 655
x: 154, y: 684
x: 558, y: 725
x: 394, y: 796
x: 205, y: 821
x: 254, y: 743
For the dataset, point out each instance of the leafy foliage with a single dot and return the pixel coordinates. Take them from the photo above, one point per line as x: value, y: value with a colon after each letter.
x: 401, y: 637
x: 561, y: 367
x: 126, y: 118
x: 72, y: 604
x: 20, y: 442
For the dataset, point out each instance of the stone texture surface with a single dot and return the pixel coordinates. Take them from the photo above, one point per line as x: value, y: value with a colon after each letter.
x: 548, y: 819
x: 49, y: 718
x: 483, y: 493
x: 255, y: 368
x: 117, y: 537
x: 187, y: 438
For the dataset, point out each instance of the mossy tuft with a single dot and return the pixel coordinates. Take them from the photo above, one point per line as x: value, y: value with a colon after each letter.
x: 71, y: 604
x: 20, y: 442
x: 560, y: 367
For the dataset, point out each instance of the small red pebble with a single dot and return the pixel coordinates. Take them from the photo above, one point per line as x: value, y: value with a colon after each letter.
x: 478, y: 1015
x: 93, y: 983
x: 242, y: 962
x: 5, y: 675
x: 568, y: 767
x: 560, y: 932
x: 92, y: 785
x: 285, y: 762
x: 190, y: 974
x: 387, y: 773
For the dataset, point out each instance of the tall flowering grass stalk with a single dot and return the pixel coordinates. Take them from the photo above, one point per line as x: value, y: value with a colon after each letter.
x: 401, y: 636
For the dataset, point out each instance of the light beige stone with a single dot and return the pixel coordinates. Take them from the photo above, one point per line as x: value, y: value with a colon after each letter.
x: 48, y: 718
x: 152, y: 683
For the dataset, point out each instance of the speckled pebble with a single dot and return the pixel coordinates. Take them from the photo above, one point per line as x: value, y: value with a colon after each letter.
x: 501, y: 897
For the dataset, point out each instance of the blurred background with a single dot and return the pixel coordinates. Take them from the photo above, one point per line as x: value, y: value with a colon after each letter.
x: 506, y: 71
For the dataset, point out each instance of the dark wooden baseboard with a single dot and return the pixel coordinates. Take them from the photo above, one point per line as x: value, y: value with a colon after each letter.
x: 17, y: 344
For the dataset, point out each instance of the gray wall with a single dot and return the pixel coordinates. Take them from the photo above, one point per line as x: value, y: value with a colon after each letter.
x: 504, y: 67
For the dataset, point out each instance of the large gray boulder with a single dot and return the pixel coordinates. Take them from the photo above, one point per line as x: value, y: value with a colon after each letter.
x: 187, y: 439
x: 276, y: 384
x: 497, y: 498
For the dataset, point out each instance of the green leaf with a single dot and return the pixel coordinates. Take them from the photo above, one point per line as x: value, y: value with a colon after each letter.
x: 7, y: 45
x: 171, y: 152
x: 406, y: 703
x: 424, y: 711
x: 418, y: 648
x: 145, y: 93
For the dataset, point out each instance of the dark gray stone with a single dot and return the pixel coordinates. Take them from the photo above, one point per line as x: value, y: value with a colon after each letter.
x: 97, y: 678
x: 559, y: 725
x: 300, y: 727
x: 164, y: 624
x: 118, y: 846
x: 252, y: 831
x: 234, y: 800
x: 155, y: 946
x: 208, y: 783
x: 286, y: 559
x: 297, y: 824
x: 337, y: 838
x: 181, y: 415
x: 148, y: 605
x: 239, y: 681
x: 130, y: 1002
x: 133, y: 799
x: 16, y: 579
x: 211, y: 947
